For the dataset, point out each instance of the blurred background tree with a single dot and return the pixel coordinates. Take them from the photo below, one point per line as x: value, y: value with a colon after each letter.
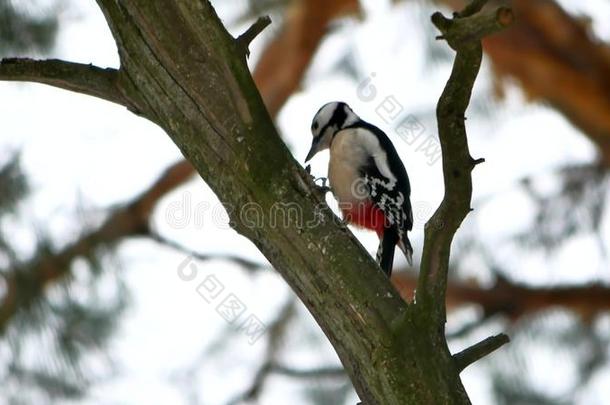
x: 532, y: 258
x: 48, y: 331
x: 27, y: 28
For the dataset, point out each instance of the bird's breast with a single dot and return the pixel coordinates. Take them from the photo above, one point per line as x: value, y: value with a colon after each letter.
x: 345, y: 162
x: 346, y: 183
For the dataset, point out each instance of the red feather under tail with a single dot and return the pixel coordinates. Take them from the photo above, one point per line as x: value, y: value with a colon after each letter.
x: 365, y: 215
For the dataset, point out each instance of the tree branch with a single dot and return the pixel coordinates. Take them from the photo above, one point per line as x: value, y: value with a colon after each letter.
x: 514, y: 300
x: 85, y: 79
x: 246, y: 264
x: 322, y: 372
x: 463, y: 34
x: 479, y: 350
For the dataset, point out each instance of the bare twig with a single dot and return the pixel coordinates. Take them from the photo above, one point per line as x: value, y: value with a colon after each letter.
x: 85, y: 79
x: 322, y: 372
x: 244, y: 40
x: 479, y: 350
x: 249, y: 265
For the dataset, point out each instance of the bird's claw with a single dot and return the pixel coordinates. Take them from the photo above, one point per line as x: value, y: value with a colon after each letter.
x: 322, y: 179
x: 323, y: 188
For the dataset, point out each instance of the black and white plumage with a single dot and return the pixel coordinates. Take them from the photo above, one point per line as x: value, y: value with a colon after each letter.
x: 366, y: 177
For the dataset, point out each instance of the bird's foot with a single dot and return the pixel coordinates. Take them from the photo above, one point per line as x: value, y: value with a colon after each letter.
x: 322, y: 188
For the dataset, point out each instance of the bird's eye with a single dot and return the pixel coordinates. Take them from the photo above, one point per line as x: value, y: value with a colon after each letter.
x: 315, y: 126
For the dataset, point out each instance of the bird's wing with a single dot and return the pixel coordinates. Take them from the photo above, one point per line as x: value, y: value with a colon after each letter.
x: 386, y: 176
x: 389, y: 195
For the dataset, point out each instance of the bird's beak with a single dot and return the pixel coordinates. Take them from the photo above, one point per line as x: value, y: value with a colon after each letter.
x: 313, y: 150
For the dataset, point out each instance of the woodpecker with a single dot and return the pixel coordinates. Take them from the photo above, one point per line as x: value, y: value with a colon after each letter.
x: 366, y: 177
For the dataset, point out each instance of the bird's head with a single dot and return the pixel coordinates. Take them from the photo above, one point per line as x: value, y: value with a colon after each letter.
x: 329, y: 120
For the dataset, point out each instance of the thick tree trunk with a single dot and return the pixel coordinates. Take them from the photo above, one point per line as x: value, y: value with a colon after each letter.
x: 182, y: 70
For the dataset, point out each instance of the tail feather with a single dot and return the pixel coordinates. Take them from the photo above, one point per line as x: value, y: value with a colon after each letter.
x: 385, y: 253
x: 405, y: 245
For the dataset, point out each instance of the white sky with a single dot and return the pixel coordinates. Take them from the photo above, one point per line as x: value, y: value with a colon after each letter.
x: 82, y: 152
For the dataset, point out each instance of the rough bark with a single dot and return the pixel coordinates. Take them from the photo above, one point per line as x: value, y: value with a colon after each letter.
x: 182, y: 70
